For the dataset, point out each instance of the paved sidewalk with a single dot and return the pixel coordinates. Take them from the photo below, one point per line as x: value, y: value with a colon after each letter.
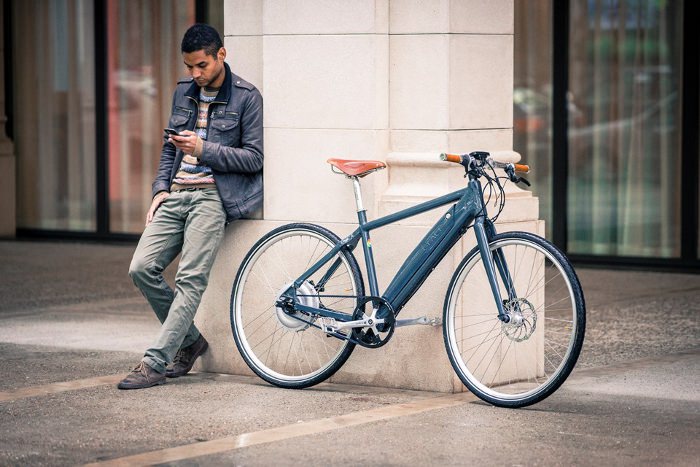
x: 70, y: 314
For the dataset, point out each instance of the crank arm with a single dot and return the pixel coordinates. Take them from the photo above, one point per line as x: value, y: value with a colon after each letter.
x: 330, y: 324
x: 424, y: 320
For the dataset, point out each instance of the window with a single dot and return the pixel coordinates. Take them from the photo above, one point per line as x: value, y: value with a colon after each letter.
x: 624, y: 128
x: 53, y: 76
x: 532, y: 98
x: 143, y: 62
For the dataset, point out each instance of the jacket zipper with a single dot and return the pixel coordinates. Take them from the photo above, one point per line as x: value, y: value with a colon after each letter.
x: 196, y: 105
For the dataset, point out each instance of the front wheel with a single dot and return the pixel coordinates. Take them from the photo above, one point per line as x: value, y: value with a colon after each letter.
x: 287, y: 348
x: 524, y: 360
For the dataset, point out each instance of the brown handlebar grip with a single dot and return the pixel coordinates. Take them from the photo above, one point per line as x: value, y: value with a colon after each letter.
x: 522, y: 168
x: 456, y: 158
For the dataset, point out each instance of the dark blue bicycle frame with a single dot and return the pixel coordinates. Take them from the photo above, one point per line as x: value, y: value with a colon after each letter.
x: 469, y: 207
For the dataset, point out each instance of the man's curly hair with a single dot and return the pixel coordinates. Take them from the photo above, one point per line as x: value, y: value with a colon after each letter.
x: 201, y: 37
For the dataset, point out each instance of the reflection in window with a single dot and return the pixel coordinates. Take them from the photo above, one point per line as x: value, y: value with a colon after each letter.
x: 532, y: 97
x: 624, y: 128
x: 54, y: 121
x: 144, y: 63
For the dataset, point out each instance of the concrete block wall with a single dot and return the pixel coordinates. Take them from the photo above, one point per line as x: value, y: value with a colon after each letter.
x: 392, y: 80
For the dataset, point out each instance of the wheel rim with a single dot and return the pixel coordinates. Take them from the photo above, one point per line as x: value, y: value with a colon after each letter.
x: 272, y: 340
x: 515, y: 360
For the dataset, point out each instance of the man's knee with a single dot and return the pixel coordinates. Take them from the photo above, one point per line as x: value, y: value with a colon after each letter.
x: 140, y: 271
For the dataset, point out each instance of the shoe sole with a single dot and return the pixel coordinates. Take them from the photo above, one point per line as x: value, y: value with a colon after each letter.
x: 169, y: 374
x: 140, y: 386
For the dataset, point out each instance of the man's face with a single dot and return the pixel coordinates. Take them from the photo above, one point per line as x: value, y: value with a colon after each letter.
x: 205, y: 69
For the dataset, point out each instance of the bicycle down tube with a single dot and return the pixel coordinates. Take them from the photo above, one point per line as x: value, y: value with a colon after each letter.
x: 424, y: 258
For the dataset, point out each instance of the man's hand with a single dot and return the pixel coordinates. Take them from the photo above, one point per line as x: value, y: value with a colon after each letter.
x: 157, y: 201
x: 186, y: 141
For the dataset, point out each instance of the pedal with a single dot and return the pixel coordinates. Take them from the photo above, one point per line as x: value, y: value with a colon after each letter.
x: 328, y: 325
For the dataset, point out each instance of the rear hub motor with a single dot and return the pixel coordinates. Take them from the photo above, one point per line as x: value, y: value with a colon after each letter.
x: 296, y: 320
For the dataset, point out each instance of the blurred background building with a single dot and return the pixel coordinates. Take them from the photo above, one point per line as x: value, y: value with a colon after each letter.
x: 605, y: 108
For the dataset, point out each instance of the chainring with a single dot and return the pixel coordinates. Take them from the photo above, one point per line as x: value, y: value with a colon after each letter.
x: 371, y: 336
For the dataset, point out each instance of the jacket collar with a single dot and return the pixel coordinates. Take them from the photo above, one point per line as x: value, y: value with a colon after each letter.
x: 224, y: 92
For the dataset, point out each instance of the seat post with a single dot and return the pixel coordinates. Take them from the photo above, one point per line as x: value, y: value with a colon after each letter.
x: 358, y: 193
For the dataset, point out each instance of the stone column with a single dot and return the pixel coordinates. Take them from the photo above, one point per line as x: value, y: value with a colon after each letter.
x: 7, y: 156
x: 392, y: 80
x: 451, y: 90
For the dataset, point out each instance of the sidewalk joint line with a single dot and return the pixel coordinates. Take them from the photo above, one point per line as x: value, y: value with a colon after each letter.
x: 52, y: 388
x: 294, y: 430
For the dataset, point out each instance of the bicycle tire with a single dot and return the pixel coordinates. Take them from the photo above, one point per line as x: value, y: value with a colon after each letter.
x: 270, y: 340
x: 522, y: 362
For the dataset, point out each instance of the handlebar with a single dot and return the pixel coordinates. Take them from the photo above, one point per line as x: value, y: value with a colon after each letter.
x: 456, y: 158
x: 473, y: 163
x: 522, y: 168
x: 483, y: 156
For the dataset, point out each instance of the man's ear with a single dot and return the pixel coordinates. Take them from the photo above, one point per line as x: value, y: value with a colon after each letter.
x: 221, y: 54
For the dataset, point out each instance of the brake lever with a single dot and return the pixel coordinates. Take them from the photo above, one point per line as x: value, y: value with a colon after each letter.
x: 510, y: 170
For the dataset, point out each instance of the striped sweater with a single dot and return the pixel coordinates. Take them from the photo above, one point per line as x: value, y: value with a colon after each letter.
x: 192, y: 173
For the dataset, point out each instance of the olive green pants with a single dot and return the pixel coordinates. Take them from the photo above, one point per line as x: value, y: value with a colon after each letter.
x: 190, y: 222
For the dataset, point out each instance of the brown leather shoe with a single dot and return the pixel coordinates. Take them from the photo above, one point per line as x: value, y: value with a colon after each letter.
x: 185, y: 358
x: 143, y: 376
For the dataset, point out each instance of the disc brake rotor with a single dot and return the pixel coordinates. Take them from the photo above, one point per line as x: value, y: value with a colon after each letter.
x: 523, y: 320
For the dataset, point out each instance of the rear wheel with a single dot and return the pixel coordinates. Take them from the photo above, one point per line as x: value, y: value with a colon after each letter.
x: 524, y: 360
x: 281, y: 346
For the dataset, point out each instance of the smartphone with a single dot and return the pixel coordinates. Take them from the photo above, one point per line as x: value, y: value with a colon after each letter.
x: 171, y: 132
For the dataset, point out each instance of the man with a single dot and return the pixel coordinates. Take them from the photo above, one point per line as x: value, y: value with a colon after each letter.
x: 210, y: 173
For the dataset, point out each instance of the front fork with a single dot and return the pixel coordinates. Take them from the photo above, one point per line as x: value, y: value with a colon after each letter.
x: 493, y: 261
